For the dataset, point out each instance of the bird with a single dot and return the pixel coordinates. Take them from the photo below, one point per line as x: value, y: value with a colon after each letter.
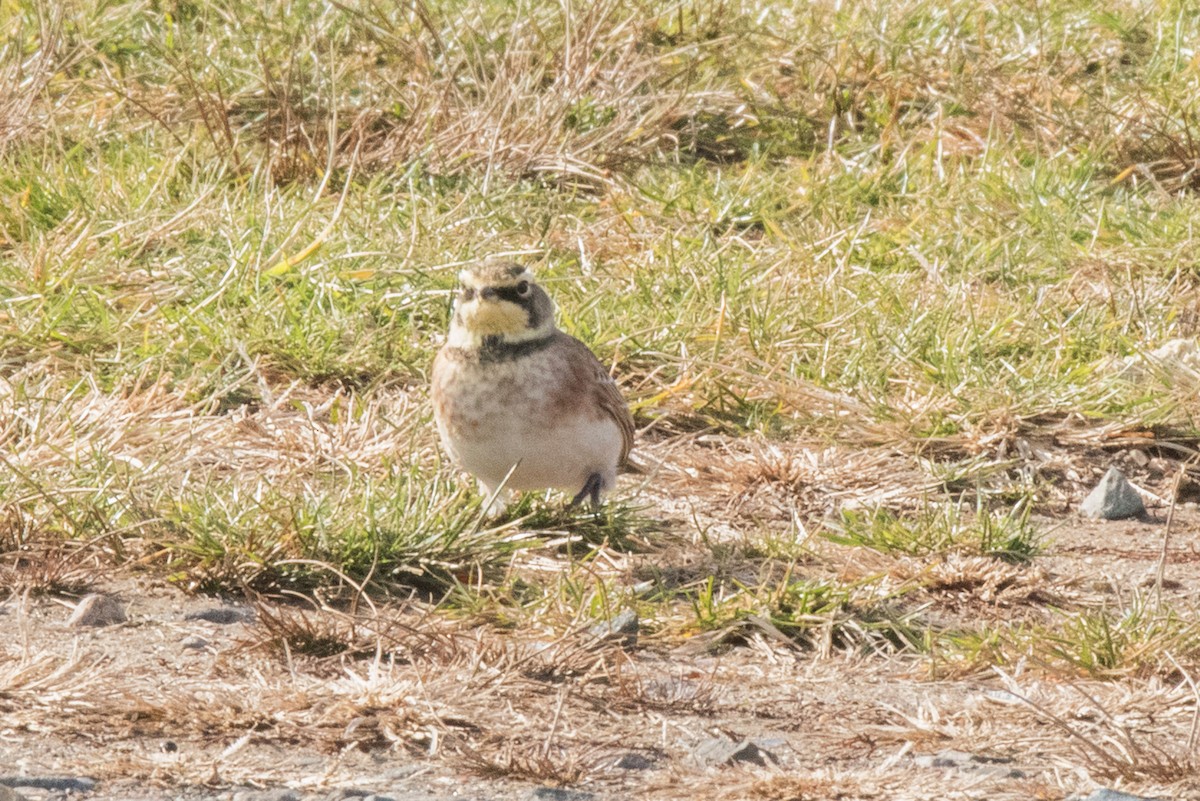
x: 520, y: 404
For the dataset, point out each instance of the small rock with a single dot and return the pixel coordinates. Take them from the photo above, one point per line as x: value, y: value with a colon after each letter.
x: 222, y: 615
x: 634, y: 761
x: 195, y: 643
x: 557, y: 794
x: 624, y: 627
x: 342, y: 793
x: 723, y: 751
x: 1138, y: 457
x: 97, y: 610
x: 277, y: 794
x: 973, y: 763
x: 374, y: 797
x: 1161, y: 467
x: 1114, y: 498
x: 55, y: 784
x: 1105, y: 794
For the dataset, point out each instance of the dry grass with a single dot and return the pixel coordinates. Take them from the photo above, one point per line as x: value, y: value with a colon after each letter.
x: 34, y: 50
x: 572, y: 94
x: 543, y: 763
x: 47, y: 569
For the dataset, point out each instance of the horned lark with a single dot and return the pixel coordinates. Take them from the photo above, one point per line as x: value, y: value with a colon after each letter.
x: 518, y: 403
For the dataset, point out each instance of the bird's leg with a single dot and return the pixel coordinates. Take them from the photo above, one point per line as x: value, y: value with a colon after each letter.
x: 591, y: 488
x: 495, y: 499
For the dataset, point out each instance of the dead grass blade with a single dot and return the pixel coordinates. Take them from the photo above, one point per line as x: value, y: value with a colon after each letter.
x: 1124, y: 740
x: 28, y: 63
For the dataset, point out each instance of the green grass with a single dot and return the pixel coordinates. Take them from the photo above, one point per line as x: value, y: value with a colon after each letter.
x: 1138, y: 639
x: 1009, y: 536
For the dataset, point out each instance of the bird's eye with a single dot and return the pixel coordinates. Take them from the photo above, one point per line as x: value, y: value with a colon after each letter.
x: 468, y: 294
x: 523, y: 288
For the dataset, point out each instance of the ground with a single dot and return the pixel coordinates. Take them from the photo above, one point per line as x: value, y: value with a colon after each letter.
x: 888, y: 285
x: 421, y: 706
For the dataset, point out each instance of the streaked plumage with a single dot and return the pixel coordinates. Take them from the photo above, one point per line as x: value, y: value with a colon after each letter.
x: 513, y: 393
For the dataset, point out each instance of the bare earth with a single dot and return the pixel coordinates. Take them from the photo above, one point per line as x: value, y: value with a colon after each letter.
x: 462, y: 709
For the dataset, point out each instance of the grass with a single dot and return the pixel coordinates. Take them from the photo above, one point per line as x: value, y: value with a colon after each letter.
x: 1009, y: 536
x: 878, y: 280
x: 1138, y: 639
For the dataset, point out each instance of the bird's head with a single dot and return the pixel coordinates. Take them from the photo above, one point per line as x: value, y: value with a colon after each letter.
x: 500, y: 302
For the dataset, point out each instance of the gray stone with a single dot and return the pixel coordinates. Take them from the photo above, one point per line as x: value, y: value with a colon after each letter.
x: 1114, y: 498
x: 1105, y: 794
x: 342, y: 793
x: 55, y: 784
x: 277, y: 794
x: 724, y: 751
x: 222, y: 615
x: 97, y: 610
x: 624, y: 628
x: 1000, y: 767
x: 195, y: 643
x: 634, y: 761
x: 557, y: 794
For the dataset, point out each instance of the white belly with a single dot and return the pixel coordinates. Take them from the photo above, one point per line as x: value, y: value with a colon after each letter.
x: 561, y: 458
x: 514, y: 419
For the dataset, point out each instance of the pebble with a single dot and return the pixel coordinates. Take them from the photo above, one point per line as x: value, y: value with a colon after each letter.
x: 277, y: 794
x: 634, y: 761
x: 195, y: 643
x: 342, y: 793
x: 222, y: 615
x: 97, y: 609
x: 623, y: 628
x: 724, y: 751
x: 1105, y: 794
x: 973, y: 763
x: 55, y: 784
x: 557, y: 794
x: 1114, y: 498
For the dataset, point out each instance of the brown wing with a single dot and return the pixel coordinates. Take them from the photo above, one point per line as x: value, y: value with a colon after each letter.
x: 604, y: 390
